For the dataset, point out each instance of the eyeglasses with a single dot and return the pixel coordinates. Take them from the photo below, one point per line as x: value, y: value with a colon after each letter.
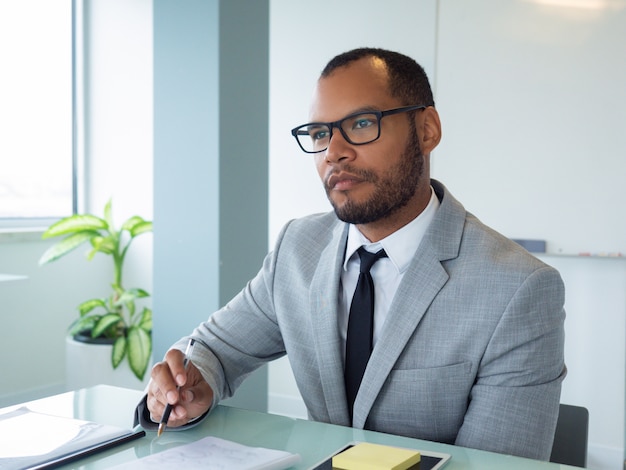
x: 358, y: 129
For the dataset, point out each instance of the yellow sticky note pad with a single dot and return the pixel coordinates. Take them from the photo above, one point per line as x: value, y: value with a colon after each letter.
x: 367, y: 456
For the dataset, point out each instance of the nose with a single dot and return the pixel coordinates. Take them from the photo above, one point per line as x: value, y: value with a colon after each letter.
x: 338, y: 148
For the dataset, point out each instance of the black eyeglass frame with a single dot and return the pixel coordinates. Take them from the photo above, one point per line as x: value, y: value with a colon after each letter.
x: 296, y: 131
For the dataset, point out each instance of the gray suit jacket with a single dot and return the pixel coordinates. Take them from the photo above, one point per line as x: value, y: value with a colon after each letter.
x: 471, y: 352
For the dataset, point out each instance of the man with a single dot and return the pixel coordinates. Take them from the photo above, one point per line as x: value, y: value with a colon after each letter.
x: 467, y: 340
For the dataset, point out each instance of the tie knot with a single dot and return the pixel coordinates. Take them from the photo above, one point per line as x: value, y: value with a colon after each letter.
x: 368, y: 259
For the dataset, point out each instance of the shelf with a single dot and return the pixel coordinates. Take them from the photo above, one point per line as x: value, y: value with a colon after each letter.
x: 581, y: 256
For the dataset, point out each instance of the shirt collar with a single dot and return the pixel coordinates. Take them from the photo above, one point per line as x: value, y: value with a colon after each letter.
x: 402, y: 244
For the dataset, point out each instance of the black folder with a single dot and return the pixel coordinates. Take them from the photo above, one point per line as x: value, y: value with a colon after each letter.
x: 33, y: 440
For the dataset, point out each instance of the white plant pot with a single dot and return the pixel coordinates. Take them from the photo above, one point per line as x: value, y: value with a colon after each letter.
x: 89, y: 364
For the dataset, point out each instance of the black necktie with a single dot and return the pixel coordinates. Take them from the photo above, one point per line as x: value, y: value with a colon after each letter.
x: 360, y: 326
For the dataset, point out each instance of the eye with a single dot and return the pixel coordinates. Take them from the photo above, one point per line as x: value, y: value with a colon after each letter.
x: 363, y: 122
x: 318, y: 133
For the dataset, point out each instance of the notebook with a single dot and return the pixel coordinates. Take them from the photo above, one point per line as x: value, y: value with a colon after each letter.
x: 33, y: 440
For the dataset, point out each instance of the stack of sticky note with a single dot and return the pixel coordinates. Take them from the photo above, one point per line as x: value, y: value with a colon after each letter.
x: 367, y: 456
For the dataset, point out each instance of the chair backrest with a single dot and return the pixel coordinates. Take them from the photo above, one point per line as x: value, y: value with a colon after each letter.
x: 570, y: 438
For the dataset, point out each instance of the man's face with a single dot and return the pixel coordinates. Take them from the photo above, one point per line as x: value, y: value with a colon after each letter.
x: 367, y: 183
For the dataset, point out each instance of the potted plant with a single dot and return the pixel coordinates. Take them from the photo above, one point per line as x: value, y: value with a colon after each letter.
x: 115, y: 319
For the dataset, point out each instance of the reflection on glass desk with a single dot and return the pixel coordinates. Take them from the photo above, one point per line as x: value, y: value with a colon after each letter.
x: 11, y: 277
x: 315, y: 442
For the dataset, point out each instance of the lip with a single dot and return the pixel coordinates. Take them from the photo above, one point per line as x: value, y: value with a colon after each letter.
x: 342, y: 181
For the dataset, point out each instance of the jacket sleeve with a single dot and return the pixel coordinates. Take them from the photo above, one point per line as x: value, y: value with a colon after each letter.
x: 513, y: 405
x: 237, y: 339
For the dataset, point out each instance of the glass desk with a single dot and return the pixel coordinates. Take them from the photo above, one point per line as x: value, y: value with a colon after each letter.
x: 315, y: 442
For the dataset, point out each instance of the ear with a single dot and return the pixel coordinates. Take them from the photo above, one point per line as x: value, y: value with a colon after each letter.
x: 429, y: 129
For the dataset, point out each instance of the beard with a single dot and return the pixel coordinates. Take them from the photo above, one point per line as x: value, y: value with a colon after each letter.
x: 392, y: 190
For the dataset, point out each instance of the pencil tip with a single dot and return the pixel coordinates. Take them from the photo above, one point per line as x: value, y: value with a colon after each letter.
x: 160, y: 430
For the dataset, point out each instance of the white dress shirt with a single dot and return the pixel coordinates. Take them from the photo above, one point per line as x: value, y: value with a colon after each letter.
x: 387, y: 273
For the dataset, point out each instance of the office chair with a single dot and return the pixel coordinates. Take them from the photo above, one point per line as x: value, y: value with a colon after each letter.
x: 570, y: 437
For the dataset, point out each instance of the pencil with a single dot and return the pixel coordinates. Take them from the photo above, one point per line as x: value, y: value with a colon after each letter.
x: 169, y: 407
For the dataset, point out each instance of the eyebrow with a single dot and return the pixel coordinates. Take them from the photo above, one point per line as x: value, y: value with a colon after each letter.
x: 363, y: 109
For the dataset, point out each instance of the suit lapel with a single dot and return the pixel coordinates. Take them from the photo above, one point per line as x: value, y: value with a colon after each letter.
x: 323, y: 300
x: 422, y: 281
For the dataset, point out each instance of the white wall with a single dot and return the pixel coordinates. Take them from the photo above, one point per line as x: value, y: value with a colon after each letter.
x: 118, y: 109
x: 36, y: 312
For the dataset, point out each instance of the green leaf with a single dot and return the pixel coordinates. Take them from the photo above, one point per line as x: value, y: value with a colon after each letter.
x: 124, y: 298
x: 105, y: 323
x: 75, y: 224
x: 103, y: 244
x: 108, y: 214
x: 146, y: 319
x: 139, y: 293
x: 130, y: 295
x: 139, y: 350
x: 89, y: 305
x: 140, y: 228
x: 130, y: 223
x: 66, y: 245
x: 131, y: 307
x: 119, y: 351
x: 83, y: 324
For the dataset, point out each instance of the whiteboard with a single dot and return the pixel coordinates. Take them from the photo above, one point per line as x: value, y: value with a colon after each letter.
x: 532, y: 97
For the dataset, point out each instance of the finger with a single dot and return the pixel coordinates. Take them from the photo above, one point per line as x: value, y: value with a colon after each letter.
x: 156, y: 406
x: 200, y: 395
x: 175, y: 359
x: 187, y: 396
x: 164, y: 375
x: 179, y: 415
x: 161, y: 375
x: 197, y: 398
x: 161, y: 378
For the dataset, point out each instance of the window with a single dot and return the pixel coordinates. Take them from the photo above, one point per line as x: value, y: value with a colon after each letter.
x: 36, y: 112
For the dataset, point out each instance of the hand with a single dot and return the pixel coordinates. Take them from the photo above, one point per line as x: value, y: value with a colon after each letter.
x: 192, y: 400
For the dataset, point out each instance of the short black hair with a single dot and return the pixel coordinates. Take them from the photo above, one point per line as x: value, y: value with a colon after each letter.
x: 407, y: 79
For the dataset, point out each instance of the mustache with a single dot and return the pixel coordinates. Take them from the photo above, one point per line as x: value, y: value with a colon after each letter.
x: 364, y: 175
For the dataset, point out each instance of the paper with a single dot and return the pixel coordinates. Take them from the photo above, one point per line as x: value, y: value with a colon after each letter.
x: 212, y: 453
x: 26, y: 434
x: 31, y: 439
x: 428, y: 460
x: 368, y: 456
